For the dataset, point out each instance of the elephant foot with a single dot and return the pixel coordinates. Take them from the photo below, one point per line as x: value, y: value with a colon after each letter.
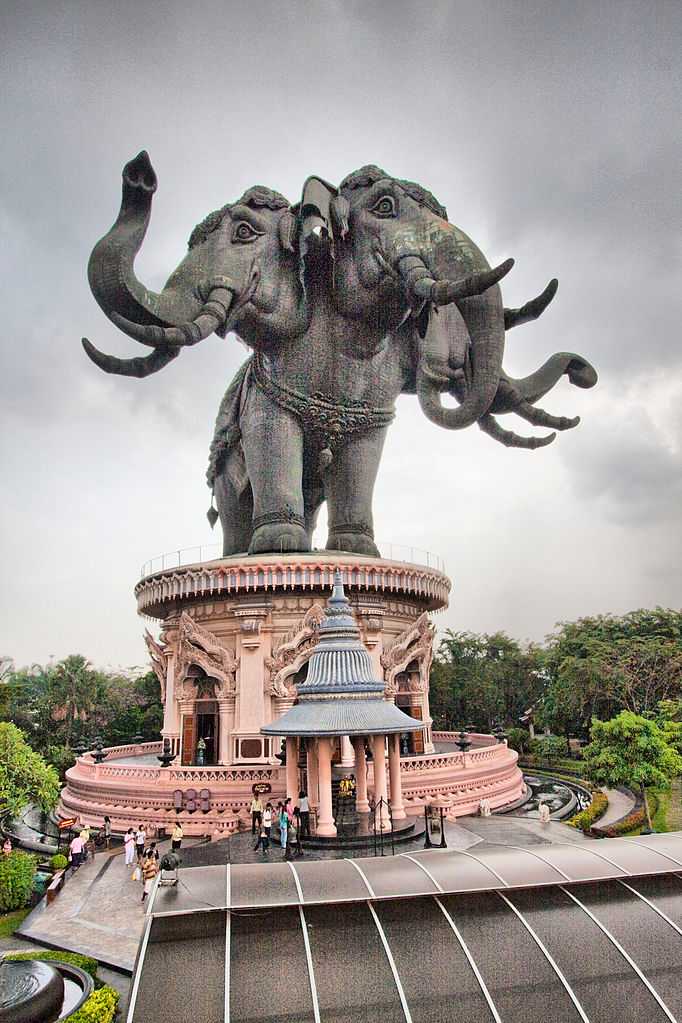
x: 355, y: 543
x: 279, y: 538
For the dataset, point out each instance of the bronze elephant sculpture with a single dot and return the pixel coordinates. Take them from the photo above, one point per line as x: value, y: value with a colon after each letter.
x: 348, y: 299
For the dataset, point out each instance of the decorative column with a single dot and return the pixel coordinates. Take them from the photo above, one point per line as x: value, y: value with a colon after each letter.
x: 325, y: 820
x: 347, y: 755
x: 397, y: 807
x: 226, y: 718
x: 380, y: 790
x: 292, y: 767
x: 361, y: 801
x: 313, y: 788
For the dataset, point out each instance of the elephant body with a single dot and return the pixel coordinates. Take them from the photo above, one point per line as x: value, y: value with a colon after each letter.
x: 350, y: 298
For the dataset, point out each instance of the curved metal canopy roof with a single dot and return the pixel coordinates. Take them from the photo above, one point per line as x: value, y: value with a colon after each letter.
x: 550, y: 934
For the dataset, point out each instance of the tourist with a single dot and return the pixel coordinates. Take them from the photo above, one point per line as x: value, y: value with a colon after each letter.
x: 296, y: 833
x: 283, y: 825
x: 107, y: 832
x: 140, y: 839
x: 256, y: 812
x: 267, y: 819
x: 263, y: 839
x: 304, y: 811
x: 76, y: 851
x: 152, y: 851
x: 7, y: 846
x: 85, y: 838
x: 150, y: 869
x: 176, y: 837
x: 289, y: 808
x: 129, y: 847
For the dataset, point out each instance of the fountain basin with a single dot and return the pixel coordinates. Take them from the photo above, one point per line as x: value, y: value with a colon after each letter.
x: 32, y: 991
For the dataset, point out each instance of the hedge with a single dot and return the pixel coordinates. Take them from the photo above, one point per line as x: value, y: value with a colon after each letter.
x: 73, y: 958
x: 100, y: 1007
x: 590, y: 814
x: 17, y: 871
x: 59, y: 862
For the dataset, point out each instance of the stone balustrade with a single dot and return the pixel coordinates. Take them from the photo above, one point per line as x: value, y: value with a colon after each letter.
x: 129, y: 794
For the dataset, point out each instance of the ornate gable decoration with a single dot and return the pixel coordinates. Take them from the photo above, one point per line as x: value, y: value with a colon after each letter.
x: 159, y: 657
x: 414, y: 644
x: 196, y: 645
x: 293, y: 652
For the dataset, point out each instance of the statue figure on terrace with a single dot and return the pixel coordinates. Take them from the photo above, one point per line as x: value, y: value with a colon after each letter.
x: 349, y: 298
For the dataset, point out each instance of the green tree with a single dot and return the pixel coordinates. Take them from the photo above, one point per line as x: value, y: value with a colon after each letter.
x: 75, y: 689
x: 600, y: 665
x: 24, y: 776
x: 482, y: 678
x: 630, y: 750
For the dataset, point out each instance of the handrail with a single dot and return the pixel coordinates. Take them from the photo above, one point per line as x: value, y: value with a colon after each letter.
x: 203, y: 553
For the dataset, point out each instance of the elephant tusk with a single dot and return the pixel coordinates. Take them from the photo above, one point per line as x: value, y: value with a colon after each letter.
x: 531, y: 310
x: 423, y: 287
x: 213, y: 314
x: 138, y: 367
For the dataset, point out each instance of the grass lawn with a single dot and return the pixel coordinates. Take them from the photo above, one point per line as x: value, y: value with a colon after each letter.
x: 10, y: 921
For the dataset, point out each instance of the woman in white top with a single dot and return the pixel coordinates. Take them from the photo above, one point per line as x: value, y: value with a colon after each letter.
x: 129, y: 846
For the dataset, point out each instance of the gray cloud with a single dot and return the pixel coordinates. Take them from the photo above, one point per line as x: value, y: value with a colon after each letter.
x: 549, y: 131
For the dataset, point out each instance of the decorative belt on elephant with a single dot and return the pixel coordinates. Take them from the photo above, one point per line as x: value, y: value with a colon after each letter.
x: 321, y: 413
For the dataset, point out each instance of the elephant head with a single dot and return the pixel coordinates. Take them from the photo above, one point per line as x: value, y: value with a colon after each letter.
x: 240, y: 273
x: 395, y: 242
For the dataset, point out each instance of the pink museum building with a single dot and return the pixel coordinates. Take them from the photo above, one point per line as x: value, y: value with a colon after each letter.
x: 236, y: 638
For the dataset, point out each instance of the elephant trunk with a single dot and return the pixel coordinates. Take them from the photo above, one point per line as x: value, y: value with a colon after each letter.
x: 475, y: 324
x: 578, y: 370
x: 110, y: 270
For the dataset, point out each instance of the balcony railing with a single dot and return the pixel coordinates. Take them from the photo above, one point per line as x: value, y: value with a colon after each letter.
x: 211, y: 552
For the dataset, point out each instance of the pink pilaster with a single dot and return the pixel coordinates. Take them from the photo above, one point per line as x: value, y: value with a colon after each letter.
x: 292, y: 768
x: 380, y: 789
x: 313, y: 787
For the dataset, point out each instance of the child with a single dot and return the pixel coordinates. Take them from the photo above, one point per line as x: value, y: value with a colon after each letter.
x: 150, y: 869
x: 263, y: 839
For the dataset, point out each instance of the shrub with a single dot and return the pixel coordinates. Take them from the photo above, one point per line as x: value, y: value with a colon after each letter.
x: 100, y: 1007
x: 16, y: 880
x: 634, y: 820
x: 58, y: 862
x: 549, y: 747
x: 73, y: 958
x: 519, y: 739
x: 586, y: 818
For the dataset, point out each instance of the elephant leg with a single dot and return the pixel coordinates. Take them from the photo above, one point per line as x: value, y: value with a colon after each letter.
x: 490, y: 425
x: 234, y: 499
x: 349, y: 485
x: 272, y: 440
x: 538, y: 417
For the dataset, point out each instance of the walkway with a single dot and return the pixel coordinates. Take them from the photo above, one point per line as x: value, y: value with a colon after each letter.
x: 619, y: 806
x: 99, y: 912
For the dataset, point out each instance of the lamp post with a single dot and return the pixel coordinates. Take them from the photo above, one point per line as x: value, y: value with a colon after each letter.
x: 463, y: 742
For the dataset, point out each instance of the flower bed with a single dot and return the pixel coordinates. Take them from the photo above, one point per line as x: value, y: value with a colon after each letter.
x: 102, y: 1004
x: 586, y: 818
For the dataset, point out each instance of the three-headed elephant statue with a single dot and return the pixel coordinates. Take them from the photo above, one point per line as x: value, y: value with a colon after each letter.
x: 348, y: 299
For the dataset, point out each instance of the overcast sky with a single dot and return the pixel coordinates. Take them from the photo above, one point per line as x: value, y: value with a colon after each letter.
x: 551, y: 132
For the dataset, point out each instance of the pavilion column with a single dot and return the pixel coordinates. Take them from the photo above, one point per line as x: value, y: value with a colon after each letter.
x: 380, y: 790
x: 347, y: 756
x: 397, y: 807
x: 313, y: 788
x: 325, y: 819
x: 292, y: 767
x: 361, y: 801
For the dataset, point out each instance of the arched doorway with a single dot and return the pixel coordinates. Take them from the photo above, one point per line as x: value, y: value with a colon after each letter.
x: 204, y: 722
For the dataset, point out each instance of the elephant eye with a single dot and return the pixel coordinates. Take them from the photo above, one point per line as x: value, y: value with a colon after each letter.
x: 244, y: 232
x: 384, y: 207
